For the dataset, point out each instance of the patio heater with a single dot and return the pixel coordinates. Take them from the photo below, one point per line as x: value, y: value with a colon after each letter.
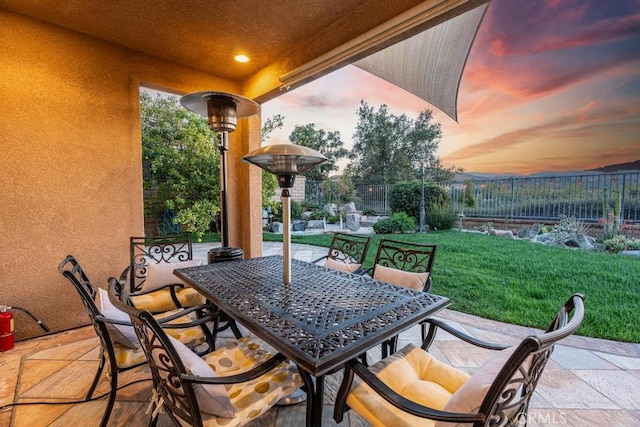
x: 222, y: 111
x: 285, y: 161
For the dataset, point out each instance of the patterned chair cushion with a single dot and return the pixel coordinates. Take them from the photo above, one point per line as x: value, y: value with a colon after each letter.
x: 126, y: 357
x: 415, y: 281
x: 416, y: 375
x: 161, y: 300
x: 342, y: 266
x: 191, y: 337
x: 234, y: 404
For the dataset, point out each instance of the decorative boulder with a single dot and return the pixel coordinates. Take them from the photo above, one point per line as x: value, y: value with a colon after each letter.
x: 315, y: 223
x: 329, y: 208
x: 349, y: 207
x: 534, y: 231
x: 276, y: 227
x: 298, y: 226
x: 353, y: 221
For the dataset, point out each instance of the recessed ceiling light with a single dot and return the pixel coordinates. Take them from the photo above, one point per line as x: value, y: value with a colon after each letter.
x: 241, y: 58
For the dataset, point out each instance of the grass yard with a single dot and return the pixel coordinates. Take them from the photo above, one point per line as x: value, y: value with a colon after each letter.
x: 520, y: 282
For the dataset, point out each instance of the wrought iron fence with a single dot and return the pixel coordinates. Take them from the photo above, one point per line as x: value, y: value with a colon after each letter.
x: 585, y: 197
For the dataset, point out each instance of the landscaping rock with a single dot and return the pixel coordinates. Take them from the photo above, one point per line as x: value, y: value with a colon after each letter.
x: 349, y: 207
x: 523, y: 232
x: 584, y: 242
x: 306, y: 215
x: 353, y: 221
x: 329, y: 208
x: 276, y: 227
x: 299, y: 226
x: 534, y: 231
x: 508, y: 234
x: 315, y: 223
x: 630, y: 253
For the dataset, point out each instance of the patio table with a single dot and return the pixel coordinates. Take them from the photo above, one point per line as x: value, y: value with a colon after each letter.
x: 321, y: 320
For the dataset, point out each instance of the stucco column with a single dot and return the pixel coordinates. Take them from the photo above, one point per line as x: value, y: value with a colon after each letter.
x: 245, y: 189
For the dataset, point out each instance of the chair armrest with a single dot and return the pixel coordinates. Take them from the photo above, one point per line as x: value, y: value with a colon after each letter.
x: 170, y: 286
x: 257, y: 371
x: 101, y: 318
x: 434, y: 324
x: 319, y: 259
x: 400, y: 402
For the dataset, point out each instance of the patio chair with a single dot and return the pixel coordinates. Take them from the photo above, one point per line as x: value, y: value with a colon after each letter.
x: 405, y: 264
x: 154, y: 287
x: 120, y: 347
x: 230, y: 386
x: 412, y: 388
x: 347, y: 252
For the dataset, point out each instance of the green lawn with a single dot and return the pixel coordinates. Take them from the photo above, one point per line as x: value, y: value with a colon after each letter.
x: 520, y: 282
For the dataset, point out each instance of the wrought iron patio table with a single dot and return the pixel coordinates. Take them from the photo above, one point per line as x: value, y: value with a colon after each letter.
x: 321, y: 320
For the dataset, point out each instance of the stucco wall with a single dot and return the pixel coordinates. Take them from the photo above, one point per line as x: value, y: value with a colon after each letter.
x: 70, y: 162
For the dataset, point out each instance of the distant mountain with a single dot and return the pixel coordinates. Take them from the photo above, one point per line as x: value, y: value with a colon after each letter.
x: 620, y: 167
x: 629, y: 166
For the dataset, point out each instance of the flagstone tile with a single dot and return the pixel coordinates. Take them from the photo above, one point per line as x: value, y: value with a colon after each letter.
x: 70, y: 382
x: 576, y: 358
x: 38, y: 415
x: 37, y: 371
x: 464, y: 356
x: 596, y: 418
x: 618, y: 386
x: 87, y: 414
x: 129, y: 414
x: 623, y: 362
x: 70, y: 351
x: 563, y: 389
x: 9, y: 374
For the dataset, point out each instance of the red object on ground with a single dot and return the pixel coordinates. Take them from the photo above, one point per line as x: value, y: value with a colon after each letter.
x: 6, y: 331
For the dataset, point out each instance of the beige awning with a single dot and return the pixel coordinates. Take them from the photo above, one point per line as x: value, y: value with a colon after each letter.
x: 430, y: 64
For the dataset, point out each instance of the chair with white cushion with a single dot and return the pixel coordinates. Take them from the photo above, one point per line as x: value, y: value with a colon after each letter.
x: 154, y: 287
x: 405, y: 264
x: 347, y: 252
x: 411, y: 387
x: 120, y: 347
x: 230, y: 386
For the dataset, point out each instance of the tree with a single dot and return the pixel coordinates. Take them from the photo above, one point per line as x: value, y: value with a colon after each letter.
x: 269, y: 180
x: 328, y: 143
x: 376, y: 157
x: 181, y: 166
x: 387, y: 147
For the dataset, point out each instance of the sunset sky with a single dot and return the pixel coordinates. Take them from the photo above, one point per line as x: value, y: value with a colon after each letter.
x: 549, y: 86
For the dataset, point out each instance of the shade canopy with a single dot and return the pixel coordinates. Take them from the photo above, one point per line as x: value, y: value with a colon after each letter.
x: 430, y: 64
x: 285, y: 160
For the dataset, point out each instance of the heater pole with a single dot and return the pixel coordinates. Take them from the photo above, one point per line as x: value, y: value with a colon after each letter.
x: 286, y: 236
x: 223, y: 146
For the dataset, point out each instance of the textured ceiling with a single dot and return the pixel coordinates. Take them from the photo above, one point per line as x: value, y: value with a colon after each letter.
x: 206, y: 34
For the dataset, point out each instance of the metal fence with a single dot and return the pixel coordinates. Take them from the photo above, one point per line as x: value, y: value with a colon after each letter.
x: 534, y: 198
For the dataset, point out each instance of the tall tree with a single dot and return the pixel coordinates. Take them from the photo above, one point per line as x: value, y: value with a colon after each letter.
x: 328, y: 143
x: 388, y: 148
x: 181, y: 167
x: 377, y: 156
x: 269, y: 180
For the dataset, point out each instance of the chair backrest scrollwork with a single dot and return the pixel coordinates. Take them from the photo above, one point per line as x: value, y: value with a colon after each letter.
x: 146, y: 250
x: 349, y: 248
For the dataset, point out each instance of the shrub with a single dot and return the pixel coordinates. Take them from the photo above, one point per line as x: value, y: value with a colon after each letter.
x: 197, y: 218
x: 567, y: 229
x: 405, y: 197
x: 440, y: 216
x: 333, y: 219
x: 397, y: 223
x: 319, y: 214
x: 369, y: 212
x: 621, y: 243
x: 296, y: 210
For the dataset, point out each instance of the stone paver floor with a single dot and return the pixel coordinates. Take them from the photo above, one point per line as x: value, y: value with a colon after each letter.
x: 588, y: 382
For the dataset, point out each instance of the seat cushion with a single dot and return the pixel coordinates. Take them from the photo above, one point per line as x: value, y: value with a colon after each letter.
x: 252, y: 398
x: 415, y: 281
x: 230, y: 404
x: 190, y: 337
x: 416, y: 375
x: 160, y: 300
x: 127, y: 357
x: 342, y: 266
